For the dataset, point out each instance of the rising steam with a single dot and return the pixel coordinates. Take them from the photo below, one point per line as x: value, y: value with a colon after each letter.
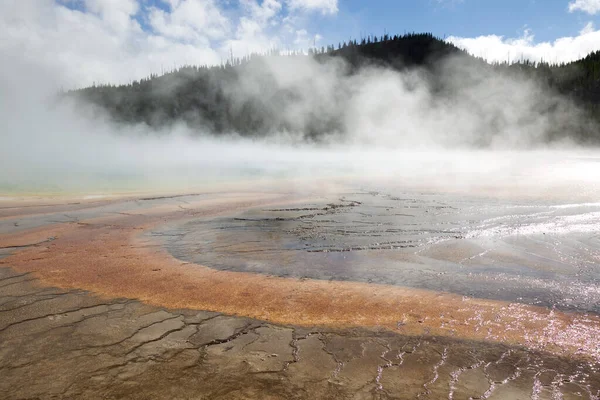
x: 458, y: 126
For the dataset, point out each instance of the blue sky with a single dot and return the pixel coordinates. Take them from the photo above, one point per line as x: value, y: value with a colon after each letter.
x: 547, y: 19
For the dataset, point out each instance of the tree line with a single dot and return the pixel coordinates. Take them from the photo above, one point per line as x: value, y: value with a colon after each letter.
x: 208, y: 97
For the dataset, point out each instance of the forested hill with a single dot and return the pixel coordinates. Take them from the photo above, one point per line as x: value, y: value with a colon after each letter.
x: 253, y: 96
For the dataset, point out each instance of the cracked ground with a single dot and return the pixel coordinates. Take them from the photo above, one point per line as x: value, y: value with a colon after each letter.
x: 71, y: 327
x: 72, y: 344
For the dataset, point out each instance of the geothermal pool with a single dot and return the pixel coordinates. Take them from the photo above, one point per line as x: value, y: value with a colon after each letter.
x: 543, y: 253
x: 328, y: 289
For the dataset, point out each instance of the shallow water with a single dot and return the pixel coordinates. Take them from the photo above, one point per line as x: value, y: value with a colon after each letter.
x: 535, y: 252
x: 414, y: 342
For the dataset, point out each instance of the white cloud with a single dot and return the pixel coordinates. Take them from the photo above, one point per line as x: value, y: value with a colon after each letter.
x: 254, y: 30
x: 262, y: 12
x: 323, y: 6
x: 190, y: 20
x: 79, y: 42
x: 588, y: 28
x: 118, y: 13
x: 588, y: 6
x: 499, y: 49
x: 79, y: 48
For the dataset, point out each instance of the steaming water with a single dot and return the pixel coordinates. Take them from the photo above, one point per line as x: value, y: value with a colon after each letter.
x: 501, y: 225
x: 541, y: 252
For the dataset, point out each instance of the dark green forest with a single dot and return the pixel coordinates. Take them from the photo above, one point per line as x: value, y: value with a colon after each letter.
x: 244, y: 96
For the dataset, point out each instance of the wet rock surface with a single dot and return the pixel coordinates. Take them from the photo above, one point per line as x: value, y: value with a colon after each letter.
x: 71, y: 344
x: 533, y: 252
x: 66, y: 343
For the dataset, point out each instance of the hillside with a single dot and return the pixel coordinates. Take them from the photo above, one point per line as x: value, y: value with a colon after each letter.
x: 252, y: 97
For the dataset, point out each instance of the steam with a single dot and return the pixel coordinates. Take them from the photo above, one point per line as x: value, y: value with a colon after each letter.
x: 463, y: 104
x: 458, y: 128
